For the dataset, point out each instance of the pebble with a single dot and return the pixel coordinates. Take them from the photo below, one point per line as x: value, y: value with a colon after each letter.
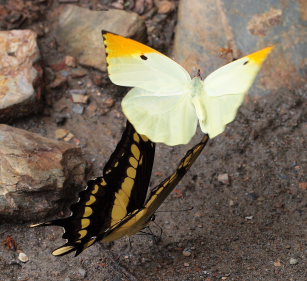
x: 109, y: 102
x: 98, y: 80
x: 231, y: 203
x: 61, y: 133
x: 165, y: 6
x: 78, y: 73
x: 78, y: 108
x: 77, y: 91
x: 79, y: 98
x: 249, y: 217
x: 70, y: 61
x: 69, y: 137
x: 23, y: 257
x: 186, y: 264
x: 186, y: 253
x: 303, y: 185
x: 223, y: 178
x: 58, y: 82
x: 82, y: 272
x: 293, y: 261
x: 277, y: 263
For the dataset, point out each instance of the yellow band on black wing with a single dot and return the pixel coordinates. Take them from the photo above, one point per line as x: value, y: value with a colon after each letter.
x: 138, y: 219
x: 108, y: 199
x: 161, y: 191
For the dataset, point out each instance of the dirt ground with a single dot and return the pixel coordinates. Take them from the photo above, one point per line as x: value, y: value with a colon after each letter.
x: 253, y: 228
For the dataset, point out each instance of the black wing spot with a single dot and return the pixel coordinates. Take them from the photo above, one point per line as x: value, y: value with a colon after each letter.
x: 143, y: 57
x: 245, y: 62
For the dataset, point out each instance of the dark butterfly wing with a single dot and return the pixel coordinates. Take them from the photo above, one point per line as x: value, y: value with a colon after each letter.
x: 161, y: 191
x: 108, y: 199
x: 138, y: 219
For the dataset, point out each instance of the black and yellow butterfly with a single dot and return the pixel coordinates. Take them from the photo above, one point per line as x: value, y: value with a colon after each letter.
x: 114, y: 205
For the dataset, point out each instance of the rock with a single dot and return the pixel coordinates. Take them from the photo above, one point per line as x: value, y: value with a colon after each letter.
x: 82, y: 272
x: 165, y: 6
x: 223, y: 178
x: 69, y: 137
x: 35, y: 174
x: 303, y: 185
x: 186, y: 252
x: 20, y: 74
x: 79, y: 98
x: 293, y: 261
x: 78, y: 31
x: 77, y: 91
x: 78, y: 108
x: 61, y: 133
x: 239, y: 28
x: 58, y: 82
x: 78, y: 73
x: 109, y: 102
x: 23, y: 257
x: 70, y: 61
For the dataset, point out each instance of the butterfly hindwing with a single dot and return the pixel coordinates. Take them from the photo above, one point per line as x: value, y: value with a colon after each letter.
x: 167, y: 119
x: 139, y: 219
x: 108, y: 199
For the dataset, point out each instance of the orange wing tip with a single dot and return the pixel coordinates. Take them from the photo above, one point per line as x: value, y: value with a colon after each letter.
x: 118, y: 46
x: 260, y: 56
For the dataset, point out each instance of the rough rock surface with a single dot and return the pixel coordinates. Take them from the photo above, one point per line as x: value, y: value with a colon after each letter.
x: 35, y: 173
x: 231, y: 29
x: 20, y: 74
x: 79, y: 32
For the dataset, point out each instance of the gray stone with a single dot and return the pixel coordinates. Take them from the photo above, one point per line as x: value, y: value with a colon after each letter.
x: 35, y: 174
x: 293, y: 261
x: 20, y: 74
x: 208, y: 28
x: 79, y: 32
x: 82, y: 272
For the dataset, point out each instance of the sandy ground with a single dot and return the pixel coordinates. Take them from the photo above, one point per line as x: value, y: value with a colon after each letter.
x: 253, y: 228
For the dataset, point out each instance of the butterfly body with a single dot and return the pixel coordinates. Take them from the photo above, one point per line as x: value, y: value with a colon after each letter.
x: 165, y: 103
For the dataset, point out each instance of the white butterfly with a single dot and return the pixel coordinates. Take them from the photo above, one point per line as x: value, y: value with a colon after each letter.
x: 165, y: 102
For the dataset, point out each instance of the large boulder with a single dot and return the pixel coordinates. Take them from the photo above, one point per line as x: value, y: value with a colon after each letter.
x: 20, y: 74
x: 78, y: 31
x: 36, y: 174
x: 208, y: 28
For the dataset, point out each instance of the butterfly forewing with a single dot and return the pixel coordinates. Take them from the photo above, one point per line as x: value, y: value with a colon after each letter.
x: 134, y: 64
x: 108, y: 199
x: 161, y: 191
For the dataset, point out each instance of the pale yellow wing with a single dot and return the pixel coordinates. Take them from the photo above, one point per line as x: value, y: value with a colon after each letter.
x: 168, y: 119
x: 224, y: 91
x: 134, y: 64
